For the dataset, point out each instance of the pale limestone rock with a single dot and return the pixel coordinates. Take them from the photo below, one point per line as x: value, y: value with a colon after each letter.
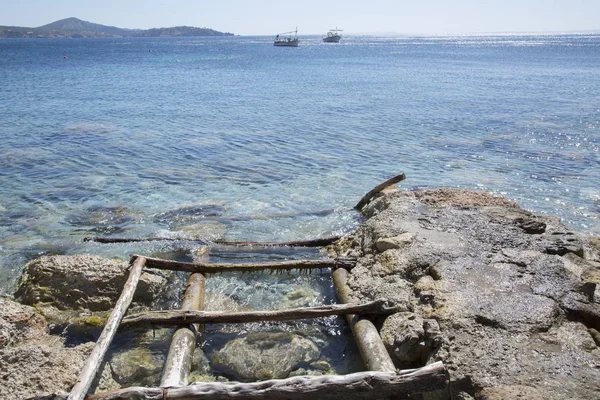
x: 396, y: 242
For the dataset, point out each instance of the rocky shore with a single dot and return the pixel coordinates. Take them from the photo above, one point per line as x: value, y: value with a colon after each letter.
x: 508, y: 300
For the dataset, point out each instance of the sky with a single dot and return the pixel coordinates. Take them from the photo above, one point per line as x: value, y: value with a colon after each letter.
x: 267, y: 17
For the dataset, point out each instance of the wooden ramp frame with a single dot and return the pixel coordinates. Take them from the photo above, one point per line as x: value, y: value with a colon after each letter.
x: 381, y: 381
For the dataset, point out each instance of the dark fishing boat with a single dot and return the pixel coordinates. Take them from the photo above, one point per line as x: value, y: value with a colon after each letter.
x: 291, y: 40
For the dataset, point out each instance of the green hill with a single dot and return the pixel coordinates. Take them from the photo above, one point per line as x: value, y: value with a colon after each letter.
x: 77, y: 25
x: 76, y: 28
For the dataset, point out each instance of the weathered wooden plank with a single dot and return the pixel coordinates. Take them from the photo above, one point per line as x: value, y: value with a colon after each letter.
x: 201, y: 267
x: 367, y: 197
x: 87, y: 375
x: 170, y: 317
x: 362, y: 385
x: 296, y: 243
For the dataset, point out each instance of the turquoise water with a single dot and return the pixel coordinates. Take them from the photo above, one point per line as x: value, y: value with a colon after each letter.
x: 114, y: 136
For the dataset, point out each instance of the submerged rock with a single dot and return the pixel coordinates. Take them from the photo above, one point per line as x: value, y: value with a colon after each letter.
x: 264, y: 355
x: 135, y: 367
x: 487, y: 288
x: 303, y: 296
x: 207, y: 230
x: 190, y: 213
x: 102, y: 219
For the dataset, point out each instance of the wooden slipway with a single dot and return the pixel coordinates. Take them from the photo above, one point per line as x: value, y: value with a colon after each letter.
x: 380, y: 381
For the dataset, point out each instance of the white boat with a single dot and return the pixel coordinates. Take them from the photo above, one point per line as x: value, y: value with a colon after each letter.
x: 333, y: 36
x: 291, y: 40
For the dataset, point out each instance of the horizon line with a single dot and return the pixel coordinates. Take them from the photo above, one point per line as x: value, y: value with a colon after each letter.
x: 364, y: 33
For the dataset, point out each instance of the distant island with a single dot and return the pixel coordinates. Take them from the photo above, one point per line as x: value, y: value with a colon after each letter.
x: 76, y: 28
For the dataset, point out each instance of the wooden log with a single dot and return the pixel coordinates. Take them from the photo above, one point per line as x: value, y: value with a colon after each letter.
x: 297, y: 243
x: 170, y: 317
x: 367, y: 197
x: 295, y: 214
x: 179, y: 359
x: 361, y: 385
x: 372, y: 349
x: 100, y: 239
x: 90, y: 369
x: 201, y: 267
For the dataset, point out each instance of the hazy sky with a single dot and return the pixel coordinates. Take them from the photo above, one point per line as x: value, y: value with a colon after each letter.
x: 266, y: 17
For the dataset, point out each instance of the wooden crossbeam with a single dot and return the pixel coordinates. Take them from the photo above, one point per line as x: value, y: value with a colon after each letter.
x: 296, y: 243
x: 186, y: 317
x: 248, y: 267
x: 360, y: 385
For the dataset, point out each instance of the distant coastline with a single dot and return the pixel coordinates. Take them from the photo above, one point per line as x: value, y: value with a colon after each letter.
x: 76, y: 28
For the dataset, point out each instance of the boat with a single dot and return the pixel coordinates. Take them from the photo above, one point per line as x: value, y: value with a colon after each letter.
x: 291, y: 40
x: 333, y: 36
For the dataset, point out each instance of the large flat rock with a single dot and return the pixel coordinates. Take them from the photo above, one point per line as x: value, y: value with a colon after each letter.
x: 507, y: 299
x: 82, y: 282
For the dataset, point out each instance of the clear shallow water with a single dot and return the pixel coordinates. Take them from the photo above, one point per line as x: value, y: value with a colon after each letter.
x: 121, y: 131
x: 245, y: 292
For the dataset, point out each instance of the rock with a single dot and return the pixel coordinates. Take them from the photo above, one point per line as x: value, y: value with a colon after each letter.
x: 197, y: 377
x: 215, y: 301
x: 570, y: 335
x: 595, y: 247
x: 462, y: 396
x: 595, y: 336
x: 578, y: 307
x: 321, y: 365
x: 403, y: 334
x: 264, y: 355
x: 137, y: 366
x: 563, y: 242
x: 459, y: 198
x: 306, y: 372
x: 102, y: 220
x: 510, y: 392
x: 33, y: 362
x: 531, y: 226
x: 317, y: 368
x: 207, y: 230
x: 190, y: 213
x: 105, y: 382
x: 200, y: 253
x: 505, y: 298
x: 304, y: 296
x: 82, y: 282
x: 396, y: 242
x: 42, y: 367
x: 433, y: 335
x: 19, y: 322
x: 200, y: 363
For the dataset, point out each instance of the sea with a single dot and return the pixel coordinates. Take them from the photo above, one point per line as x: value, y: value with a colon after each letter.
x: 231, y: 137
